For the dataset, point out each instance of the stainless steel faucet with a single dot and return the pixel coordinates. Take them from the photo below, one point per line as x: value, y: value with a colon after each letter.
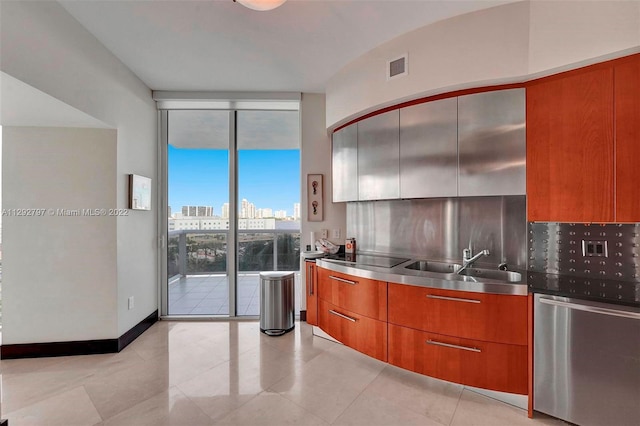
x: 469, y: 259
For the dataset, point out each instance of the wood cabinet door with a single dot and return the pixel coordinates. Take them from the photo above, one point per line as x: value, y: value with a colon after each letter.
x: 489, y: 317
x: 487, y: 365
x: 312, y: 293
x: 627, y: 122
x: 570, y: 167
x: 361, y: 333
x: 360, y: 295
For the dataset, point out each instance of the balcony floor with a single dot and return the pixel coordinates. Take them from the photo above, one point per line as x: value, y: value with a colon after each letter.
x: 209, y: 295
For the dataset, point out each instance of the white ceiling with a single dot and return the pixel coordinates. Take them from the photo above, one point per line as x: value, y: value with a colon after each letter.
x: 220, y: 45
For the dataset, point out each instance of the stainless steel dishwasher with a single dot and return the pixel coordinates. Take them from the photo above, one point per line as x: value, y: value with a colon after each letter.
x: 587, y: 361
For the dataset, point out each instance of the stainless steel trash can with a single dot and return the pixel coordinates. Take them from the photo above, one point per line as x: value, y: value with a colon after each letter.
x: 276, y: 302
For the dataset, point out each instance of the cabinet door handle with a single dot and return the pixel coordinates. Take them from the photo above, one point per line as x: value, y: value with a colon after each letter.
x: 331, y: 311
x: 449, y: 345
x: 310, y: 279
x: 342, y: 280
x: 454, y: 299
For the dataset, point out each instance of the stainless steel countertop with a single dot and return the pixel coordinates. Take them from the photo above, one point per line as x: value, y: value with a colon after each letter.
x: 401, y: 275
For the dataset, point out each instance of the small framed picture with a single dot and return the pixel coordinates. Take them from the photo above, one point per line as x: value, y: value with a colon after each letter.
x: 139, y: 192
x: 315, y: 207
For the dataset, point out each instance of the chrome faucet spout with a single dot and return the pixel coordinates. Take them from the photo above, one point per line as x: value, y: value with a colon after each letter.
x: 468, y: 259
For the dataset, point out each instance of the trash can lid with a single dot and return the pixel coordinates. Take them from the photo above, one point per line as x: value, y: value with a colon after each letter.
x: 275, y: 274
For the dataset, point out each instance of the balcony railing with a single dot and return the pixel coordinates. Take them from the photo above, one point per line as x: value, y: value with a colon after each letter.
x: 198, y: 252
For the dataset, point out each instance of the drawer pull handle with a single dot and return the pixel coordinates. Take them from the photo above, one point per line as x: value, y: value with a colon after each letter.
x: 449, y: 345
x: 343, y: 280
x: 331, y: 311
x: 455, y: 299
x: 310, y: 279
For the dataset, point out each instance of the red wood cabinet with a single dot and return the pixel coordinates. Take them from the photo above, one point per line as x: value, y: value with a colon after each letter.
x: 312, y: 292
x: 495, y: 366
x: 570, y: 147
x: 360, y: 295
x: 583, y: 128
x: 627, y: 143
x: 488, y: 317
x: 359, y: 332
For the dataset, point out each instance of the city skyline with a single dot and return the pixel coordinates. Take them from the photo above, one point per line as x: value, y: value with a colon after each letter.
x: 200, y: 177
x: 247, y: 210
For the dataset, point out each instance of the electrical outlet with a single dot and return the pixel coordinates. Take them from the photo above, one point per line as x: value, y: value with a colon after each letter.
x: 324, y: 233
x: 130, y: 302
x: 595, y: 248
x: 335, y: 234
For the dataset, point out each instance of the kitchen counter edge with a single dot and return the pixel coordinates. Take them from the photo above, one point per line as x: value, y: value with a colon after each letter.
x: 400, y: 275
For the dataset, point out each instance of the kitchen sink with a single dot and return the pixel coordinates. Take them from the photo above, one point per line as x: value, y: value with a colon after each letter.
x: 492, y: 274
x: 442, y: 267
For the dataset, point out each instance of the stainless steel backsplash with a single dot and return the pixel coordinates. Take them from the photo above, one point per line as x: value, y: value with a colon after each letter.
x: 438, y: 229
x: 557, y: 248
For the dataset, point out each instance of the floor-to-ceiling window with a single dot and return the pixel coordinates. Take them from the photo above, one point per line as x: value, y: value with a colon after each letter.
x: 232, y: 207
x: 198, y: 214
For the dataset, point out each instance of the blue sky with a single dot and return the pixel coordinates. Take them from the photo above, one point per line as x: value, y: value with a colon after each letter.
x: 267, y: 178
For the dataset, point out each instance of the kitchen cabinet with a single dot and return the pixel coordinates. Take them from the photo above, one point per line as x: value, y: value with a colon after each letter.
x: 429, y: 149
x: 379, y: 157
x: 471, y: 145
x: 312, y: 292
x: 359, y: 332
x: 353, y: 310
x: 488, y: 317
x: 476, y: 339
x: 496, y: 366
x: 345, y: 164
x: 570, y: 147
x: 360, y: 295
x: 627, y: 139
x: 492, y: 143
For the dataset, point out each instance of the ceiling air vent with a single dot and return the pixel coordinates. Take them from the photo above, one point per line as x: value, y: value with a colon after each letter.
x: 398, y: 67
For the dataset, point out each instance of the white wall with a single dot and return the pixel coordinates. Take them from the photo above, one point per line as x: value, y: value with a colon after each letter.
x: 504, y: 44
x: 59, y: 272
x: 564, y: 33
x: 316, y: 158
x: 43, y: 46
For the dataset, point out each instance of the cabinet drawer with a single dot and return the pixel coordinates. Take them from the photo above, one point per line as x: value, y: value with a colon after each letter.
x: 363, y: 334
x: 359, y: 295
x: 487, y: 365
x: 489, y: 317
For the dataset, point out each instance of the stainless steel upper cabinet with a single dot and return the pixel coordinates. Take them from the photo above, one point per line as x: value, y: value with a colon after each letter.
x: 429, y: 149
x: 379, y: 157
x: 345, y: 164
x: 492, y: 143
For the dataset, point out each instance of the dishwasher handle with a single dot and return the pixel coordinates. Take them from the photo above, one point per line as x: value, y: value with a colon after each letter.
x: 592, y: 309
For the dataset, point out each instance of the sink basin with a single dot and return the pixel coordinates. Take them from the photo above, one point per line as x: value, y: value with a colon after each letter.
x: 442, y: 267
x: 492, y: 274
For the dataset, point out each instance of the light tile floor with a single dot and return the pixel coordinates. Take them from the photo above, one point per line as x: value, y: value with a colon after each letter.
x: 209, y: 295
x: 228, y: 373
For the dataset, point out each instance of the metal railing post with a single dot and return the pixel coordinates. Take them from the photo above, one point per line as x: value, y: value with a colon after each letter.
x: 182, y: 254
x: 275, y: 251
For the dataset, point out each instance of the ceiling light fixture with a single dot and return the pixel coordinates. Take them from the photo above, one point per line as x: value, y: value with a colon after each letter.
x: 260, y: 5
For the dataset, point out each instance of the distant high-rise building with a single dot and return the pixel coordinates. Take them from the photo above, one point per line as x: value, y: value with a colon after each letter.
x: 263, y: 213
x: 197, y: 211
x: 205, y: 211
x: 169, y: 211
x: 247, y: 209
x: 225, y: 211
x: 280, y: 214
x: 296, y: 210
